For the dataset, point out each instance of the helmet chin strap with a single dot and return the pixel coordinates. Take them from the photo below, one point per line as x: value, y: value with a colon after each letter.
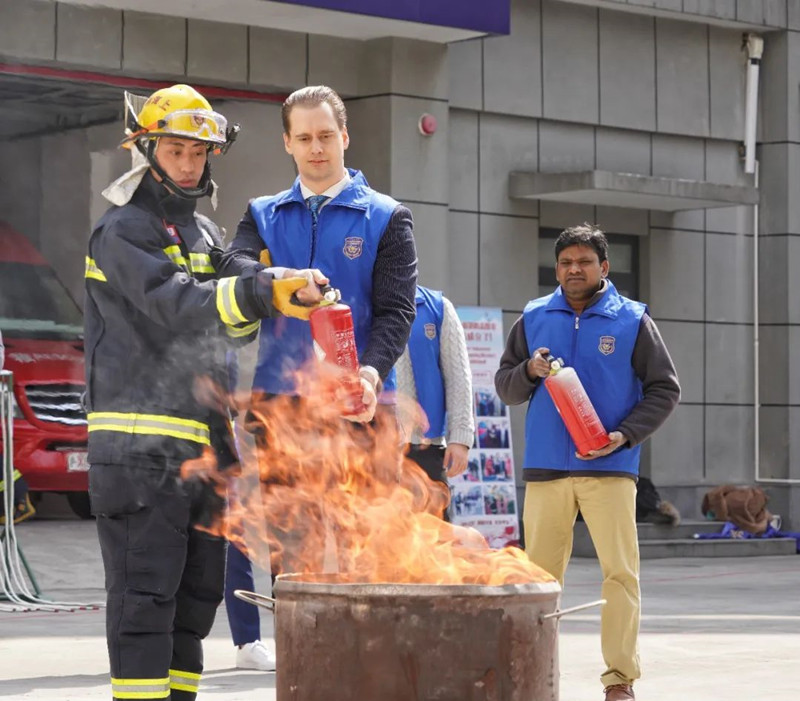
x: 204, y: 187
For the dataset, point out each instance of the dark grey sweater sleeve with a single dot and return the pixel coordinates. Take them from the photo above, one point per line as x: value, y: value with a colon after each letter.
x: 511, y: 379
x: 654, y: 367
x: 394, y: 285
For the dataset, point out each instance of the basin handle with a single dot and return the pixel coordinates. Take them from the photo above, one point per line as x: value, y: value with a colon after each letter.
x: 563, y: 612
x: 251, y: 597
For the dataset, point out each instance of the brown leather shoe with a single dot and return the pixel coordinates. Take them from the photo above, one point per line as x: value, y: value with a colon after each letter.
x: 619, y: 692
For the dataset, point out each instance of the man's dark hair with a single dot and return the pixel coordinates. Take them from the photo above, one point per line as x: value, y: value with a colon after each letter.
x: 583, y: 235
x: 313, y: 96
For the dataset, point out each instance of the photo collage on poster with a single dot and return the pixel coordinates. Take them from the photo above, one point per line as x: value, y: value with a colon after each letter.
x: 484, y: 496
x: 487, y: 485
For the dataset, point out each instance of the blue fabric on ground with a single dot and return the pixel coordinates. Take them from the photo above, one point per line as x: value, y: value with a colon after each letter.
x: 731, y: 532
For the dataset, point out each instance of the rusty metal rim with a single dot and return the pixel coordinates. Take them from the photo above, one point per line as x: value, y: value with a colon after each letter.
x: 293, y: 583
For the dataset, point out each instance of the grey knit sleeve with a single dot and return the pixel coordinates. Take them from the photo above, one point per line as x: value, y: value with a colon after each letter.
x: 457, y: 374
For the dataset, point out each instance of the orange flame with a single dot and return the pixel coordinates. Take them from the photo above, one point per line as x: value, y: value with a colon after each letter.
x: 324, y: 494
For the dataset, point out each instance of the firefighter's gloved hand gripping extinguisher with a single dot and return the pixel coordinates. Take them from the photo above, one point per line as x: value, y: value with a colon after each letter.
x: 575, y: 407
x: 335, y: 342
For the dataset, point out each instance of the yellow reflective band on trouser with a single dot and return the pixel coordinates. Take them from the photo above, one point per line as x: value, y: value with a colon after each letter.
x: 140, y: 688
x: 175, y: 255
x: 227, y: 308
x: 201, y: 263
x: 243, y: 330
x: 17, y: 474
x: 150, y: 425
x: 184, y: 681
x: 92, y: 271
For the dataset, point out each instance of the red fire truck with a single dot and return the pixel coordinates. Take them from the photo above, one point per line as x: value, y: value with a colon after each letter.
x: 42, y: 330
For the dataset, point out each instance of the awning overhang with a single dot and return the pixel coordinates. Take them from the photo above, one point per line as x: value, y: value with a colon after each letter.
x: 629, y: 190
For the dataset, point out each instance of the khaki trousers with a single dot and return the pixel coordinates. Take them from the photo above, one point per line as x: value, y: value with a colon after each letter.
x: 608, y: 505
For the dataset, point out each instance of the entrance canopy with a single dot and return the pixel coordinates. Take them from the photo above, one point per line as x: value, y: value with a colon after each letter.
x: 631, y: 190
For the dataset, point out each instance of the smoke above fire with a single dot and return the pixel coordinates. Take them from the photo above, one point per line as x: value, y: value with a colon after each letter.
x: 317, y: 494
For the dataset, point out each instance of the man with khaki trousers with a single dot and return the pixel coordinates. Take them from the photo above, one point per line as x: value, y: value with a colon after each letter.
x: 617, y: 351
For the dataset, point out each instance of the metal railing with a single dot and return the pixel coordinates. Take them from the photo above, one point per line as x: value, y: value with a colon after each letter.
x: 19, y: 590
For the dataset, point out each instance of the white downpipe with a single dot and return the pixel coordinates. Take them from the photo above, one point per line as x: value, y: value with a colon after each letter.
x: 755, y: 48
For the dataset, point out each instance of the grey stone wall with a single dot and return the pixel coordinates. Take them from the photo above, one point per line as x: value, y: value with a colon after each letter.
x: 644, y: 86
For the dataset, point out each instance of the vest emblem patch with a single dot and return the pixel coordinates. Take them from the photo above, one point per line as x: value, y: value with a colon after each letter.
x: 607, y: 344
x: 430, y: 331
x: 353, y: 247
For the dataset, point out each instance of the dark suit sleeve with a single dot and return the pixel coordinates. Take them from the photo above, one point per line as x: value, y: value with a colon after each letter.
x: 654, y: 367
x: 394, y: 285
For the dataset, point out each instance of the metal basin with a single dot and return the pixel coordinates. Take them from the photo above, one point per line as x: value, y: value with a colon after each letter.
x: 351, y: 641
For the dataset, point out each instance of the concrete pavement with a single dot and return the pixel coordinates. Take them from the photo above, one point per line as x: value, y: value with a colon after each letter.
x: 712, y: 630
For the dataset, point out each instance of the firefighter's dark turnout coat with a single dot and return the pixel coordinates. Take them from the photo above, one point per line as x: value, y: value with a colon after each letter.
x: 156, y: 320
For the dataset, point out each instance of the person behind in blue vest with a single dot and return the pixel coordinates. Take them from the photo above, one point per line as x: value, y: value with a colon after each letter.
x: 434, y: 370
x: 617, y: 351
x: 244, y: 619
x: 360, y: 239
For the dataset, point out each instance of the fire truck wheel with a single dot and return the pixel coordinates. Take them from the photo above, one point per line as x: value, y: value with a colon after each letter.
x: 79, y: 503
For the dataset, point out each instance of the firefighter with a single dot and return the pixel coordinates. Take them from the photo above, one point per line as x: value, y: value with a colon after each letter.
x: 157, y: 324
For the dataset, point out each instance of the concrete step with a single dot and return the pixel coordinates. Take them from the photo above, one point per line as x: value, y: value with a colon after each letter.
x: 656, y: 541
x: 647, y: 531
x: 753, y: 547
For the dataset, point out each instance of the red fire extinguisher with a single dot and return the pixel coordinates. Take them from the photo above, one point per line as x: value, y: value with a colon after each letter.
x: 575, y: 407
x: 335, y: 342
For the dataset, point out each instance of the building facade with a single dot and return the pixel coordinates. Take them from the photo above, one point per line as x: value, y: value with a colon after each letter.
x: 548, y: 113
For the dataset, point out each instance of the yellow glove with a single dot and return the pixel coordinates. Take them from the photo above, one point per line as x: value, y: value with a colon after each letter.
x: 284, y: 300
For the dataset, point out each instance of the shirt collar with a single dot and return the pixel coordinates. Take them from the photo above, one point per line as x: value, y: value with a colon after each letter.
x: 331, y: 192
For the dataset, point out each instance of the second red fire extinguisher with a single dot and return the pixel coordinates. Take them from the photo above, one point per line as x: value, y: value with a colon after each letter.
x: 575, y: 407
x: 335, y: 342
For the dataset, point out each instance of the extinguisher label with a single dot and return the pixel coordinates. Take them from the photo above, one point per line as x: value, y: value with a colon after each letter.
x: 607, y: 344
x: 346, y: 352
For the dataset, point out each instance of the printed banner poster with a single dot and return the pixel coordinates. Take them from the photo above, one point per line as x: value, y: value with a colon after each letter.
x: 484, y: 497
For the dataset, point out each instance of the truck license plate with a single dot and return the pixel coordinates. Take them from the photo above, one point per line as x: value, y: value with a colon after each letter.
x: 77, y: 462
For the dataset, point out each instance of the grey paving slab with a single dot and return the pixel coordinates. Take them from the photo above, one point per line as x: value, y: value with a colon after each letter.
x: 711, y: 630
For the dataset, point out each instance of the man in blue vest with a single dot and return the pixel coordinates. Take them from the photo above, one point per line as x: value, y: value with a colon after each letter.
x: 360, y: 239
x: 617, y: 351
x: 435, y: 371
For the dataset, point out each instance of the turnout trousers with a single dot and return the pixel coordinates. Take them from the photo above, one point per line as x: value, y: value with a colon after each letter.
x: 164, y: 578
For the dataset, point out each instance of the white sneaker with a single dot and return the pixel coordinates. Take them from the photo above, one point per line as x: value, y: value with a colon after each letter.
x: 255, y: 655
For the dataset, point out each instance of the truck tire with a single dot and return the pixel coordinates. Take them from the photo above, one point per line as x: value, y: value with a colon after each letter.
x: 79, y: 503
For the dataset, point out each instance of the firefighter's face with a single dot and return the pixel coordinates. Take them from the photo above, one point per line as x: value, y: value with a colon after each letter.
x: 579, y: 271
x: 183, y: 160
x: 317, y: 144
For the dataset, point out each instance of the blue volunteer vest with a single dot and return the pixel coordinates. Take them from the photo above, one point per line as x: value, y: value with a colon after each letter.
x: 599, y: 346
x: 423, y: 348
x: 345, y: 246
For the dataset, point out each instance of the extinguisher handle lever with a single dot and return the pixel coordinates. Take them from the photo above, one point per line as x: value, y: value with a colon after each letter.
x: 330, y: 294
x: 555, y: 363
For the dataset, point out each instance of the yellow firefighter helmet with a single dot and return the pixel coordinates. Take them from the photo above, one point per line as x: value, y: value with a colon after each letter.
x: 179, y: 111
